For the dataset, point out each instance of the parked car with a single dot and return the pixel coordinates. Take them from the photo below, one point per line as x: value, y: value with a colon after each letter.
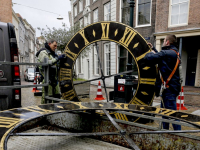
x: 29, y: 74
x: 9, y: 74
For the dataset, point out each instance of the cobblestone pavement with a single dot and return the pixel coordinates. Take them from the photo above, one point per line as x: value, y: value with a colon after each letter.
x: 57, y: 142
x: 192, y: 101
x: 28, y: 98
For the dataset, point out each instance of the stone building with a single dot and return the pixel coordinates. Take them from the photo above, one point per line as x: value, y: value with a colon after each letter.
x: 21, y: 45
x: 25, y: 34
x: 15, y: 22
x: 29, y: 42
x: 40, y: 42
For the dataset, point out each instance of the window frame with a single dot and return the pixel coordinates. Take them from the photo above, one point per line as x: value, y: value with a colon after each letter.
x: 107, y: 13
x: 105, y: 66
x: 87, y: 2
x: 96, y: 9
x: 95, y: 61
x: 121, y: 9
x: 80, y: 62
x: 86, y: 17
x: 136, y: 21
x: 81, y: 23
x: 170, y: 14
x: 75, y: 10
x: 79, y: 6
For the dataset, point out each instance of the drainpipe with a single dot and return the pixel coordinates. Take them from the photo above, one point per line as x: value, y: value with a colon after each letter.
x: 180, y: 46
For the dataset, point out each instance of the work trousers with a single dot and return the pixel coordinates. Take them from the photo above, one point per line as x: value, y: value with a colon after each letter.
x: 169, y: 100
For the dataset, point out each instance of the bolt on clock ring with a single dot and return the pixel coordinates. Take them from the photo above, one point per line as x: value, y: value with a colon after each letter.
x: 121, y: 34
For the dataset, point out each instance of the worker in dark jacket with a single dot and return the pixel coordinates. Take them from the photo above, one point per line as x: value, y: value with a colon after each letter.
x: 53, y: 60
x: 167, y: 60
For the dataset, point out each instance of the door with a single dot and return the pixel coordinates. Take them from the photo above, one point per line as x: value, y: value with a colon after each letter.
x: 191, y: 71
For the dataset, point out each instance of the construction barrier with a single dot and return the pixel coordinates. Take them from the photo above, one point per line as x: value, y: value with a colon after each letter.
x: 35, y: 88
x: 99, y: 93
x: 180, y: 101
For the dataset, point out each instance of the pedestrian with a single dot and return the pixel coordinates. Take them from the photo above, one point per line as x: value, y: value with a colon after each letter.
x: 167, y: 60
x: 53, y: 61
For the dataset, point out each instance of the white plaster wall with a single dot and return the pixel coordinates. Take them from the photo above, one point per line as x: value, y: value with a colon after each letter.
x: 72, y: 11
x: 113, y: 62
x: 15, y: 22
x: 86, y: 71
x: 21, y: 38
x: 113, y: 45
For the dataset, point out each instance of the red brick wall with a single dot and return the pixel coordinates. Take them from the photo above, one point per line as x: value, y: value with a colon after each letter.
x: 162, y: 16
x: 6, y: 11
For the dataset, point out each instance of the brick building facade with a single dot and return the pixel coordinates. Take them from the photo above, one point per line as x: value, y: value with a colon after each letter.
x: 181, y: 18
x: 6, y: 11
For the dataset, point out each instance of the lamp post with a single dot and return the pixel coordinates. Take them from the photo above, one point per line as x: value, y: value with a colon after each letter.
x: 60, y: 18
x: 131, y: 4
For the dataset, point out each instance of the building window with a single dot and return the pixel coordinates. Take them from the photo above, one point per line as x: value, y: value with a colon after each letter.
x: 80, y: 64
x: 81, y: 23
x: 107, y: 58
x: 179, y: 12
x: 96, y: 61
x: 80, y: 5
x: 86, y: 20
x: 95, y: 15
x: 87, y: 2
x: 75, y: 10
x: 107, y: 14
x: 76, y: 25
x: 143, y: 12
x: 125, y: 12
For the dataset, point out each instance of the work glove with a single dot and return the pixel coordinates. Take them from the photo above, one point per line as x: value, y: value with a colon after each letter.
x: 61, y: 56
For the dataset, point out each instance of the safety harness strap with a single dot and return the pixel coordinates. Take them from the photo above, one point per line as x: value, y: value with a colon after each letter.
x: 172, y: 73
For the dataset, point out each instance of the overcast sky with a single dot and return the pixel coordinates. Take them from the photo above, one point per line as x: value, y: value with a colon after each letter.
x: 39, y: 18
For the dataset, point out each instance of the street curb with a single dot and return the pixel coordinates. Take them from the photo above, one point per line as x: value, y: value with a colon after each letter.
x: 191, y: 93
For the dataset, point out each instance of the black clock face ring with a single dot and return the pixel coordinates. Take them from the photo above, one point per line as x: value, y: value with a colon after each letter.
x: 119, y: 33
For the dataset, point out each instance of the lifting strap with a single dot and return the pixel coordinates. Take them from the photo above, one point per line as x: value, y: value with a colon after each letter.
x: 172, y: 73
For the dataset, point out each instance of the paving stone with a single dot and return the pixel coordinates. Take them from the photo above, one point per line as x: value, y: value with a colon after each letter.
x: 197, y: 112
x: 57, y: 142
x: 155, y: 104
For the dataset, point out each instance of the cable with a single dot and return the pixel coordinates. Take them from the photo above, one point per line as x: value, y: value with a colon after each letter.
x: 39, y: 9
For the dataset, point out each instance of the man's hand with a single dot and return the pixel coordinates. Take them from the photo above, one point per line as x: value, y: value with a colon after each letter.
x: 61, y: 56
x: 150, y: 45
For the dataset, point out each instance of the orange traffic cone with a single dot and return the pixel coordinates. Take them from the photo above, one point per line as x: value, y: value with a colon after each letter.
x: 99, y: 93
x: 180, y: 101
x: 35, y: 89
